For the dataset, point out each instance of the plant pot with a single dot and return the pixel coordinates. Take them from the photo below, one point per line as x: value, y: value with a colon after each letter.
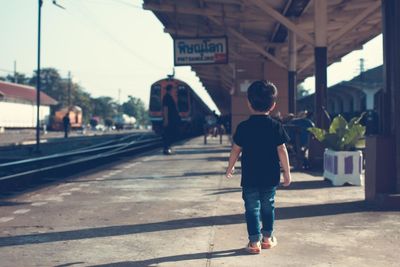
x: 342, y: 167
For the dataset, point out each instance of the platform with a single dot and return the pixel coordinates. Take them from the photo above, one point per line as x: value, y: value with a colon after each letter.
x: 180, y: 210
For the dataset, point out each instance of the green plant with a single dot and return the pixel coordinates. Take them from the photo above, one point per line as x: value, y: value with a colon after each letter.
x: 342, y: 135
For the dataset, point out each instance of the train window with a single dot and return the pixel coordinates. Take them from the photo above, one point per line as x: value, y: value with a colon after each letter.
x: 183, y: 99
x: 155, y: 98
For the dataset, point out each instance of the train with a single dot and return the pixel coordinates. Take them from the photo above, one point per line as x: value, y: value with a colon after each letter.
x: 191, y: 108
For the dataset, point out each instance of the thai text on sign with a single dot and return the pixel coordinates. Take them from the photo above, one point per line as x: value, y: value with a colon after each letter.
x: 205, y: 50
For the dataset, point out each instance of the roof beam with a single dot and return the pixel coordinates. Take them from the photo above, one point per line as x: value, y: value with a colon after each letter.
x: 255, y: 46
x: 185, y: 33
x: 269, y: 44
x: 283, y: 20
x: 189, y: 10
x: 236, y: 54
x: 356, y: 21
x: 306, y: 64
x: 230, y: 2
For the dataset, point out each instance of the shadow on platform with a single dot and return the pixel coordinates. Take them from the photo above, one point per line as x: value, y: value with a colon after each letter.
x: 304, y: 185
x: 178, y: 258
x: 225, y: 190
x: 283, y: 213
x: 226, y: 159
x: 150, y: 177
x: 69, y: 264
x: 182, y: 151
x: 11, y: 203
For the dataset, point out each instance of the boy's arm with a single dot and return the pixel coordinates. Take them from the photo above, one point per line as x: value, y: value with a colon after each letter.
x: 232, y: 160
x: 284, y: 159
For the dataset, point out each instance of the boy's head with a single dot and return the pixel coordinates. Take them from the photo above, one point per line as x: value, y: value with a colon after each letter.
x: 262, y: 95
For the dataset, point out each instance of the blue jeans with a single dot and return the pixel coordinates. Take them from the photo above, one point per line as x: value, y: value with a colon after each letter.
x: 259, y: 202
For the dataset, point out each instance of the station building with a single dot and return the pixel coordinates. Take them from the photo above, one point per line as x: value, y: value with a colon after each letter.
x: 351, y: 98
x: 18, y: 106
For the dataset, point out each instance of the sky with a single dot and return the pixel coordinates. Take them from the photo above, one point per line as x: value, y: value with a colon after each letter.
x: 349, y: 66
x: 114, y: 47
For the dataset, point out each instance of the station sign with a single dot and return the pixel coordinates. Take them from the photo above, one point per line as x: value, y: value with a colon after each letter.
x: 201, y: 50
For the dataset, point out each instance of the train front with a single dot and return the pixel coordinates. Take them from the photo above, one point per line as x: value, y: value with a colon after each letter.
x: 180, y: 93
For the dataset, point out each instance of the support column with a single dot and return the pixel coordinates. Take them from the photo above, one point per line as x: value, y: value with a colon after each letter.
x: 321, y: 55
x: 292, y: 74
x: 370, y: 98
x: 391, y: 61
x: 382, y: 174
x: 316, y: 150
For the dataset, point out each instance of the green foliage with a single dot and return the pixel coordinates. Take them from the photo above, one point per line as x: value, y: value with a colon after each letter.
x: 342, y: 136
x: 84, y: 100
x: 51, y: 83
x: 104, y: 107
x: 136, y: 108
x: 17, y: 78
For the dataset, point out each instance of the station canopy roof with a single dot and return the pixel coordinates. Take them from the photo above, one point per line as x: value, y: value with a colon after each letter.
x: 258, y: 30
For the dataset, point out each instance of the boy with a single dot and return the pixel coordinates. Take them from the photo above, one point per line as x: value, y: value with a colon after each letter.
x: 261, y: 140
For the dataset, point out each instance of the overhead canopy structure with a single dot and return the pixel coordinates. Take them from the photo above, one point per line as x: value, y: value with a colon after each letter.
x: 267, y: 38
x: 259, y: 30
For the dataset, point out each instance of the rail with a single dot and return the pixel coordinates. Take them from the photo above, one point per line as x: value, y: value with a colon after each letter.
x: 27, y: 171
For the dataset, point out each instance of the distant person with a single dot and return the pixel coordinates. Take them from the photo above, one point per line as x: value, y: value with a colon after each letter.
x: 261, y: 140
x: 67, y: 124
x: 171, y: 121
x: 211, y: 123
x: 93, y: 123
x: 303, y: 124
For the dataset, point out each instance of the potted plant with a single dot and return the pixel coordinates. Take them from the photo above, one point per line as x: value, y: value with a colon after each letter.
x: 342, y: 162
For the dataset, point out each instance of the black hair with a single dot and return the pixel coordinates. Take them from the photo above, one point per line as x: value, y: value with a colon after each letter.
x: 262, y: 95
x: 168, y: 88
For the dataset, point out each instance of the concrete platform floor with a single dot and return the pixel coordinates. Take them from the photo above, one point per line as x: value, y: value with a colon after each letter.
x: 180, y: 210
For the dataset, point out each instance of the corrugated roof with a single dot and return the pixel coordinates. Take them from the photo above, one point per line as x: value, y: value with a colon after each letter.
x: 24, y: 93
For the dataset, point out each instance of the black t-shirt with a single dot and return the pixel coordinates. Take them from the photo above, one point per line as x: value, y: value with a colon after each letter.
x: 173, y: 115
x: 259, y: 137
x: 66, y: 120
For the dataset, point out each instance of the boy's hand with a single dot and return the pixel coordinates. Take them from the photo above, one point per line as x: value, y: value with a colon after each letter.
x: 229, y: 172
x: 287, y: 179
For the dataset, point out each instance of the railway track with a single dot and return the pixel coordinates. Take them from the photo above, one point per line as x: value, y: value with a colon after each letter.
x: 18, y: 175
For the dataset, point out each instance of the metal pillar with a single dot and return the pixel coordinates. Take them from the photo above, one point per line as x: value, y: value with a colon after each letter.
x: 382, y: 166
x: 40, y: 3
x: 391, y: 60
x: 320, y: 52
x: 292, y: 73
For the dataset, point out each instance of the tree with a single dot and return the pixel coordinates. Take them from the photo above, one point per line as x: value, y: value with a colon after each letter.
x: 53, y: 85
x: 82, y: 99
x: 19, y: 78
x: 104, y: 107
x: 135, y: 107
